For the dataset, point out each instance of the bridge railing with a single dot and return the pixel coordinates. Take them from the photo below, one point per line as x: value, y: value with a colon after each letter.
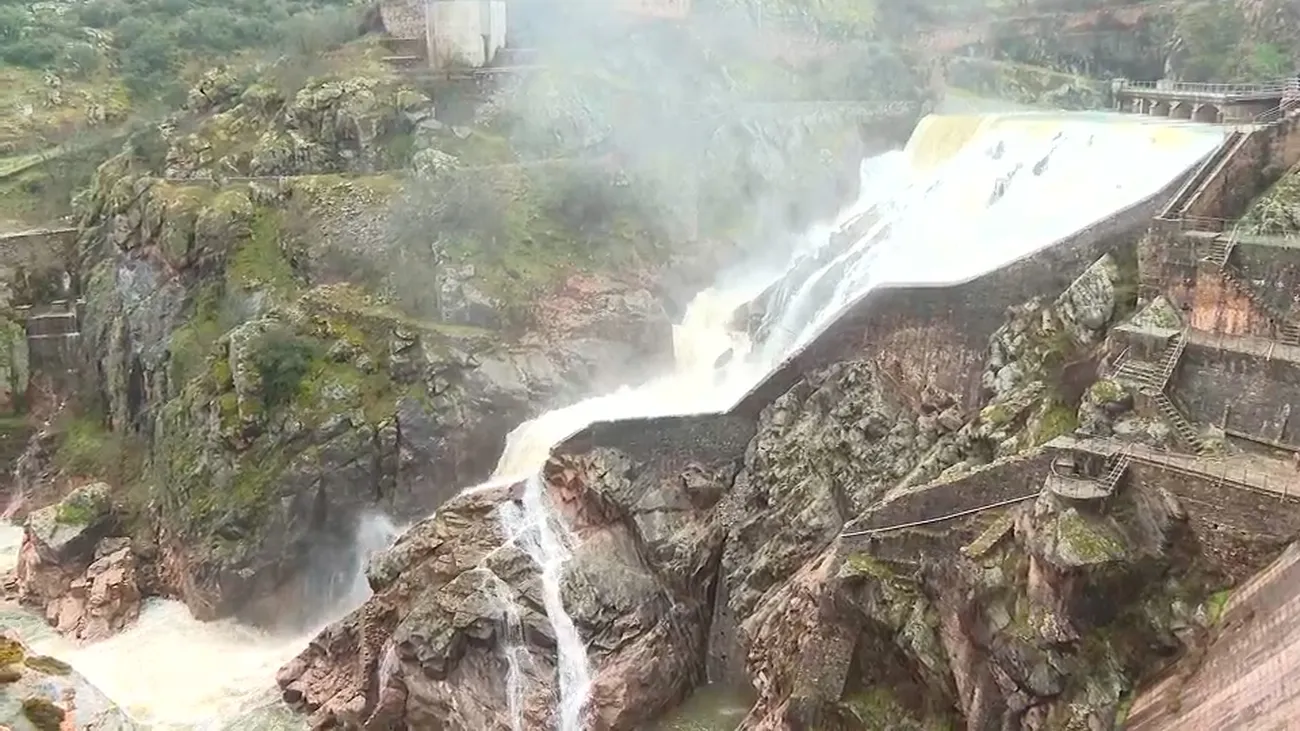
x: 1280, y: 87
x: 1289, y: 104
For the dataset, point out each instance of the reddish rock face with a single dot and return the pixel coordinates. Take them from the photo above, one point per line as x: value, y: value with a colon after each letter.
x: 85, y: 582
x: 454, y: 599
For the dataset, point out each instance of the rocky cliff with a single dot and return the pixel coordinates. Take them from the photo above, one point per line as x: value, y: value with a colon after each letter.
x: 710, y: 547
x: 316, y: 297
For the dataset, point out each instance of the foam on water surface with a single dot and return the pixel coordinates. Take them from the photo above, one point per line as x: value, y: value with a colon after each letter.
x: 968, y: 195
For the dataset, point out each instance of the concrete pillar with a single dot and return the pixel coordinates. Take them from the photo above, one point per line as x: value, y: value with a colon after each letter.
x: 1208, y: 113
x: 464, y: 33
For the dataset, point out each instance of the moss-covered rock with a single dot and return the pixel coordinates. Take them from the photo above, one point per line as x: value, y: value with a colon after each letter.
x: 352, y: 118
x: 14, y: 370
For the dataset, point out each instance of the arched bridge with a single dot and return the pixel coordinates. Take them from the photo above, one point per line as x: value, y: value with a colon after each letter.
x: 1211, y: 103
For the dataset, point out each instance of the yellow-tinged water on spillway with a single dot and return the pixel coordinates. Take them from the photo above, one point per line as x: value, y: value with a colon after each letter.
x: 940, y: 137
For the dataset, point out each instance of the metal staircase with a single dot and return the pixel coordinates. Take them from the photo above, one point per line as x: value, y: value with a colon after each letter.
x: 1155, y: 376
x: 1145, y: 374
x: 1182, y: 202
x: 1153, y: 379
x: 1173, y: 354
x: 1183, y: 428
x: 1289, y: 332
x: 1115, y: 473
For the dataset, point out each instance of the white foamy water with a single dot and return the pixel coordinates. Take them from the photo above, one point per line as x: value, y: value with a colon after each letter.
x: 968, y: 195
x: 171, y: 672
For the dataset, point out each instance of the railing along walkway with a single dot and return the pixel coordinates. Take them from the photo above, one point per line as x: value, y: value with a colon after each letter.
x: 1239, y: 471
x: 1261, y: 90
x: 940, y: 518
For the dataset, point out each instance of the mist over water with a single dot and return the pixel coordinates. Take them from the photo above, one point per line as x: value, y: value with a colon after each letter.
x: 968, y: 195
x: 171, y: 672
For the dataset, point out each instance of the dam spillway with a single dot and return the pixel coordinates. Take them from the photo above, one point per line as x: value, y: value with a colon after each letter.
x: 968, y: 195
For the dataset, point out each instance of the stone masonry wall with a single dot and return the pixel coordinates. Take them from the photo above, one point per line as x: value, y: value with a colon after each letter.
x: 1274, y: 272
x: 36, y: 250
x: 1005, y: 479
x: 1209, y: 300
x: 1240, y: 530
x: 1265, y: 156
x: 655, y: 438
x: 1257, y: 394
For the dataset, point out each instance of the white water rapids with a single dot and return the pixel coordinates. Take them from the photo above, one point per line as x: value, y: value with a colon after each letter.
x: 969, y: 194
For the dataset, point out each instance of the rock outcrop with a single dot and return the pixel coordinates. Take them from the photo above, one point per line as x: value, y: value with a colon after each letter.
x: 40, y: 693
x: 710, y: 546
x: 458, y: 603
x: 73, y: 569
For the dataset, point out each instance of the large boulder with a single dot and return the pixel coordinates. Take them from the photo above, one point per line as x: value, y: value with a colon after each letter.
x: 74, y: 571
x: 461, y: 629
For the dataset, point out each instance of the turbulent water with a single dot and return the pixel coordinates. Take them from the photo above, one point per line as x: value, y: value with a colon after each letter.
x: 969, y: 194
x: 173, y: 673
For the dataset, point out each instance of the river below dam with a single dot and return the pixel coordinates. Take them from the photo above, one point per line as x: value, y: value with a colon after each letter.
x: 969, y: 194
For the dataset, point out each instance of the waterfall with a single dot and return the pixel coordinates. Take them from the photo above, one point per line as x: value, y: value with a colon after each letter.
x: 516, y: 653
x: 968, y: 195
x: 534, y: 528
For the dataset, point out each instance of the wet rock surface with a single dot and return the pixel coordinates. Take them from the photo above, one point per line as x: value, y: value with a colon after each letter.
x: 711, y: 547
x: 73, y: 570
x: 40, y: 693
x: 434, y: 642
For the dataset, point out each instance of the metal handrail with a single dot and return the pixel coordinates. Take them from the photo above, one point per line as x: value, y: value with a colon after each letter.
x: 940, y: 518
x: 1276, y: 113
x: 1201, y: 223
x: 1196, y: 87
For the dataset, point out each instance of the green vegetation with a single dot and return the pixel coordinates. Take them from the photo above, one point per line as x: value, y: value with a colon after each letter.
x: 876, y: 709
x: 1216, y: 604
x: 1106, y: 391
x: 1088, y: 542
x: 1057, y: 420
x: 88, y: 448
x: 1026, y: 84
x: 151, y: 41
x: 79, y: 509
x: 1220, y: 44
x: 283, y: 360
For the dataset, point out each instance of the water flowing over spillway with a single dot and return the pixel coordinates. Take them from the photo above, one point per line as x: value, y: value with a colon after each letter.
x: 968, y: 195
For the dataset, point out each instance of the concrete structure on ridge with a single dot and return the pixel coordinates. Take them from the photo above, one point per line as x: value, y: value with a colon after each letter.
x: 470, y: 34
x: 1211, y: 103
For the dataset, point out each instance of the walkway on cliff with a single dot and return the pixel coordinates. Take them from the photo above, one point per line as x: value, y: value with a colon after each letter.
x: 1243, y: 471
